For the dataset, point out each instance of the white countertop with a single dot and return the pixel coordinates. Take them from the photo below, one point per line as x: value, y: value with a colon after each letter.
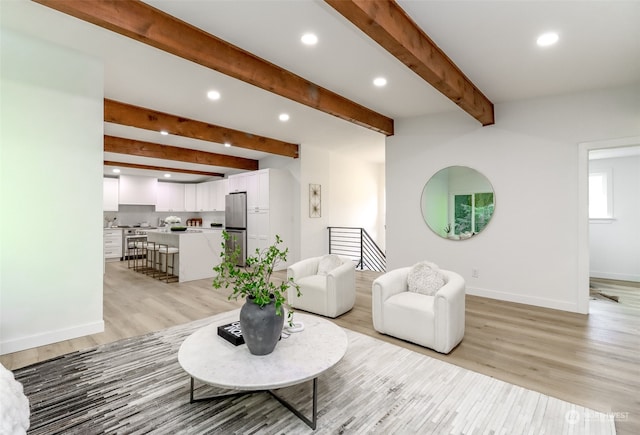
x: 179, y: 233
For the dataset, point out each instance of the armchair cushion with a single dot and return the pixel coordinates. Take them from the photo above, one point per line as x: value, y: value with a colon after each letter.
x: 425, y: 278
x: 313, y: 288
x: 327, y: 263
x: 414, y: 317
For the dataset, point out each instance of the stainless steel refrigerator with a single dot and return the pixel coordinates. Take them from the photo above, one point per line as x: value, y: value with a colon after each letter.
x: 235, y: 222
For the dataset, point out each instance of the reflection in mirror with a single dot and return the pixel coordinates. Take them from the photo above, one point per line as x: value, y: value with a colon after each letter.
x: 457, y: 202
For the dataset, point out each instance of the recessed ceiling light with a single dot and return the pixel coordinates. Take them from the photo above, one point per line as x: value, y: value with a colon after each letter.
x: 213, y: 95
x: 547, y: 39
x: 309, y: 39
x: 283, y: 117
x: 164, y: 132
x: 116, y: 171
x: 380, y: 81
x: 167, y: 176
x: 227, y: 144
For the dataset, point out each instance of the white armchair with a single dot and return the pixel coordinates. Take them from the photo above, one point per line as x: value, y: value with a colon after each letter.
x: 436, y: 322
x: 327, y: 285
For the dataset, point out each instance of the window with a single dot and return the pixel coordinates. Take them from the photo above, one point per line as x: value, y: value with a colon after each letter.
x: 472, y: 212
x: 600, y: 195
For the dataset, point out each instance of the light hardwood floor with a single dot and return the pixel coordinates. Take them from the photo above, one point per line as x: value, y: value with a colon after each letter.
x: 623, y: 292
x: 592, y: 360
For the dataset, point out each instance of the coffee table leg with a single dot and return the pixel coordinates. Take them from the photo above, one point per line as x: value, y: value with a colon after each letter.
x: 311, y: 423
x: 191, y: 392
x: 219, y: 396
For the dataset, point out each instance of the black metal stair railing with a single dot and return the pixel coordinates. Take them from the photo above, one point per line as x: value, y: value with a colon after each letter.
x: 356, y: 243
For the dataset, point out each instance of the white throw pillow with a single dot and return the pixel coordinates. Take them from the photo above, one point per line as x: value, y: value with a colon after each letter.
x: 328, y: 263
x: 425, y: 278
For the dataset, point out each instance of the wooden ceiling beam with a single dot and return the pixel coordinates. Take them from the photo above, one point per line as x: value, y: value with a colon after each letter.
x: 132, y: 147
x: 151, y: 26
x: 140, y: 117
x: 162, y: 168
x: 387, y: 23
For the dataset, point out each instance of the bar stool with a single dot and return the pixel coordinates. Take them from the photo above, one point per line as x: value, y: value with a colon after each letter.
x: 140, y: 251
x: 152, y: 259
x: 131, y: 252
x: 167, y: 251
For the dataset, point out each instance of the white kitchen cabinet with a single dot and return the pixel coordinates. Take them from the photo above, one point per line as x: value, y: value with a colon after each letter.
x: 221, y: 190
x: 258, y: 190
x: 204, y: 196
x: 258, y: 230
x: 110, y: 194
x: 190, y: 197
x: 252, y: 191
x: 263, y: 200
x: 136, y: 190
x: 170, y: 197
x: 210, y: 195
x: 238, y: 182
x: 112, y: 239
x: 272, y: 212
x: 256, y: 184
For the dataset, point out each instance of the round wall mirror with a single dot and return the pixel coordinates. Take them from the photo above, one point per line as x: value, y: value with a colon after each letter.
x: 457, y: 202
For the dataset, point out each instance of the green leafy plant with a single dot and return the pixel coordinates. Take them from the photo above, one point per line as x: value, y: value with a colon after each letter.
x: 253, y: 281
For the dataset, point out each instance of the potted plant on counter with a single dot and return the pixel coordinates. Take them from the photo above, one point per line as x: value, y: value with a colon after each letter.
x: 262, y: 315
x: 172, y: 222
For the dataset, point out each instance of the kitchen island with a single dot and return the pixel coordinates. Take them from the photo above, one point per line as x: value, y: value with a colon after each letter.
x: 199, y: 251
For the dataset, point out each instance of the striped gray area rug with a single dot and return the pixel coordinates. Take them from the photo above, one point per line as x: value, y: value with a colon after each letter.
x: 136, y: 386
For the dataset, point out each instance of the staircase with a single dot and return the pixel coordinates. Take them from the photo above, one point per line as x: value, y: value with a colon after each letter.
x: 357, y: 244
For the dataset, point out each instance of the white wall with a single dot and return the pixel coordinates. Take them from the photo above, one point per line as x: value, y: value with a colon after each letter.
x: 352, y: 195
x: 614, y: 245
x: 355, y: 189
x: 314, y: 169
x: 529, y: 252
x: 51, y: 161
x: 382, y: 209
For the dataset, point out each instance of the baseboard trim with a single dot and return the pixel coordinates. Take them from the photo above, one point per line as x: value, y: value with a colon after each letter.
x: 50, y: 337
x: 521, y: 299
x: 615, y: 276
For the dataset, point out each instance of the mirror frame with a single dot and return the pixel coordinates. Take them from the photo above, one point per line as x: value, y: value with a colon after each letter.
x: 440, y: 191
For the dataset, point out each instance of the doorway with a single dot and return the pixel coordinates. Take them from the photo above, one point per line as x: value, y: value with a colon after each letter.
x: 604, y: 149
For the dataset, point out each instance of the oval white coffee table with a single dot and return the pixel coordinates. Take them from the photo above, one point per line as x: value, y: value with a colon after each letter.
x: 301, y: 357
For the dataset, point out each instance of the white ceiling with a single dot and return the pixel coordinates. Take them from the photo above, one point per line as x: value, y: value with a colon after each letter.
x: 493, y: 42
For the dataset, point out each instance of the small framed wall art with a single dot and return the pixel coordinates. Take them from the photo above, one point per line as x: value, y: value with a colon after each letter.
x: 315, y: 201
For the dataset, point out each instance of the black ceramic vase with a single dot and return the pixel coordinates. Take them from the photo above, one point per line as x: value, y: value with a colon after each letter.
x: 261, y: 326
